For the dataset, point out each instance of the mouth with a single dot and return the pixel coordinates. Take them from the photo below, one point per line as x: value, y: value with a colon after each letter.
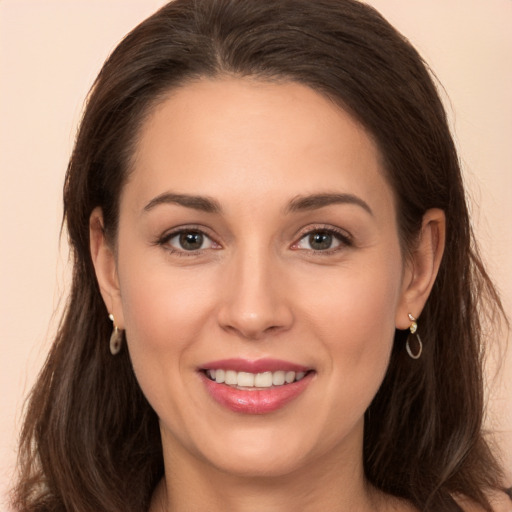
x: 255, y: 381
x: 255, y: 387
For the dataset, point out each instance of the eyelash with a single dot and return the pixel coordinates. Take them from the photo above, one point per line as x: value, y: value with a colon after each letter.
x: 164, y: 241
x: 344, y: 239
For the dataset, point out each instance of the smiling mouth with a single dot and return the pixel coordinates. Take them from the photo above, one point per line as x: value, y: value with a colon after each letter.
x: 254, y: 381
x: 255, y: 386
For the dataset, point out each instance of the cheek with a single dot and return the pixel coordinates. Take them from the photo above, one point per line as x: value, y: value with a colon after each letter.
x: 356, y: 304
x: 359, y: 332
x: 355, y: 319
x: 164, y: 311
x: 164, y: 314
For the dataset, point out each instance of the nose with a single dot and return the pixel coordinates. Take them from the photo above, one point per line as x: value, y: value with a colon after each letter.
x: 255, y: 303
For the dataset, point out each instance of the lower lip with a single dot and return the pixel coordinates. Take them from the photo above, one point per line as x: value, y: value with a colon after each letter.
x: 258, y: 401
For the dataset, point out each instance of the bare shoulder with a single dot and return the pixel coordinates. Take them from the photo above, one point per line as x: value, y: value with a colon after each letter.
x: 400, y: 505
x: 500, y: 502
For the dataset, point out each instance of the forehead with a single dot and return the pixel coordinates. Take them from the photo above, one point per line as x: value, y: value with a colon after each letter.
x: 246, y: 139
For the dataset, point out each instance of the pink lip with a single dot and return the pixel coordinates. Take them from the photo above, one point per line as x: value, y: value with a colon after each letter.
x: 257, y: 366
x: 257, y: 401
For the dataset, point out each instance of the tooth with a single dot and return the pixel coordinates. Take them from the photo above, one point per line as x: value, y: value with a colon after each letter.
x: 230, y: 377
x: 245, y: 379
x: 263, y: 380
x: 289, y: 377
x: 259, y: 380
x: 278, y: 378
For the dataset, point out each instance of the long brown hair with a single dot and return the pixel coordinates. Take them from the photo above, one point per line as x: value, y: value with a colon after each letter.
x: 91, y: 441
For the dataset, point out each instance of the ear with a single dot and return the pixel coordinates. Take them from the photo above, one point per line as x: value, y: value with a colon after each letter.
x: 422, y: 267
x: 105, y: 266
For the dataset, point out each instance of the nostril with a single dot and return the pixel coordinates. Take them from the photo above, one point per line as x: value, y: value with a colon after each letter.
x: 251, y: 320
x: 253, y: 332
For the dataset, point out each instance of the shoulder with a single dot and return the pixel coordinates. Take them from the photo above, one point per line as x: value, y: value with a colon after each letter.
x: 500, y: 502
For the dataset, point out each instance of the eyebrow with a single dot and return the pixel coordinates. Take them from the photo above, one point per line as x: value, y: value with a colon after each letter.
x: 299, y: 203
x: 201, y: 203
x: 316, y: 201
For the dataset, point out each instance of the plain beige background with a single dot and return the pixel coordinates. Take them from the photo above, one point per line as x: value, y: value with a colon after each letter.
x: 50, y: 52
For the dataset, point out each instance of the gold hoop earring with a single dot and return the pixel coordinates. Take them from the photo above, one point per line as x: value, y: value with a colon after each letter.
x: 116, y: 338
x: 413, y: 328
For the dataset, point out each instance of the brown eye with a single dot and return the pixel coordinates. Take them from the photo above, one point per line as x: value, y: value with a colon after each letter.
x: 320, y: 241
x: 323, y: 240
x: 188, y: 241
x: 191, y: 241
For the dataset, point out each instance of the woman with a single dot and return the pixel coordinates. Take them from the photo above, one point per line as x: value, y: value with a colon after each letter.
x: 276, y: 292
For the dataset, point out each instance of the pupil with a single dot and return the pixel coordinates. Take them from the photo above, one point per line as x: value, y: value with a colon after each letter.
x: 191, y: 241
x: 320, y: 241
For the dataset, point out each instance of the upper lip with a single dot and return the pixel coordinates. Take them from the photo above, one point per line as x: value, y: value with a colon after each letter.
x: 254, y: 366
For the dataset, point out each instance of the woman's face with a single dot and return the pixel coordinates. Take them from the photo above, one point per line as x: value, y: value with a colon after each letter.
x: 258, y: 245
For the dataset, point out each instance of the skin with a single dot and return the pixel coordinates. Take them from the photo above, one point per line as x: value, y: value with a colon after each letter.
x: 256, y: 289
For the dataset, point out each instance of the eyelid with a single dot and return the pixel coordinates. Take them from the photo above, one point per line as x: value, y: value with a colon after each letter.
x: 344, y: 237
x: 163, y: 240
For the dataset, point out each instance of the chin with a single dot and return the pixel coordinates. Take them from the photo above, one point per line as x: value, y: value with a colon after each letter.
x: 261, y: 465
x: 264, y: 454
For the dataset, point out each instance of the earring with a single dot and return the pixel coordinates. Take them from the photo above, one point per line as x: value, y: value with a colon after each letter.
x: 116, y: 338
x: 413, y: 328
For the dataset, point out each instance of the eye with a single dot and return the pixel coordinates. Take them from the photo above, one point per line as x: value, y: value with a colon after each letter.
x: 323, y: 240
x: 188, y: 241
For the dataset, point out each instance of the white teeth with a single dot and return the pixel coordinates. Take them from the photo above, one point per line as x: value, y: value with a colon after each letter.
x: 254, y: 380
x: 231, y: 377
x: 289, y: 377
x: 245, y: 379
x: 263, y: 380
x: 278, y: 378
